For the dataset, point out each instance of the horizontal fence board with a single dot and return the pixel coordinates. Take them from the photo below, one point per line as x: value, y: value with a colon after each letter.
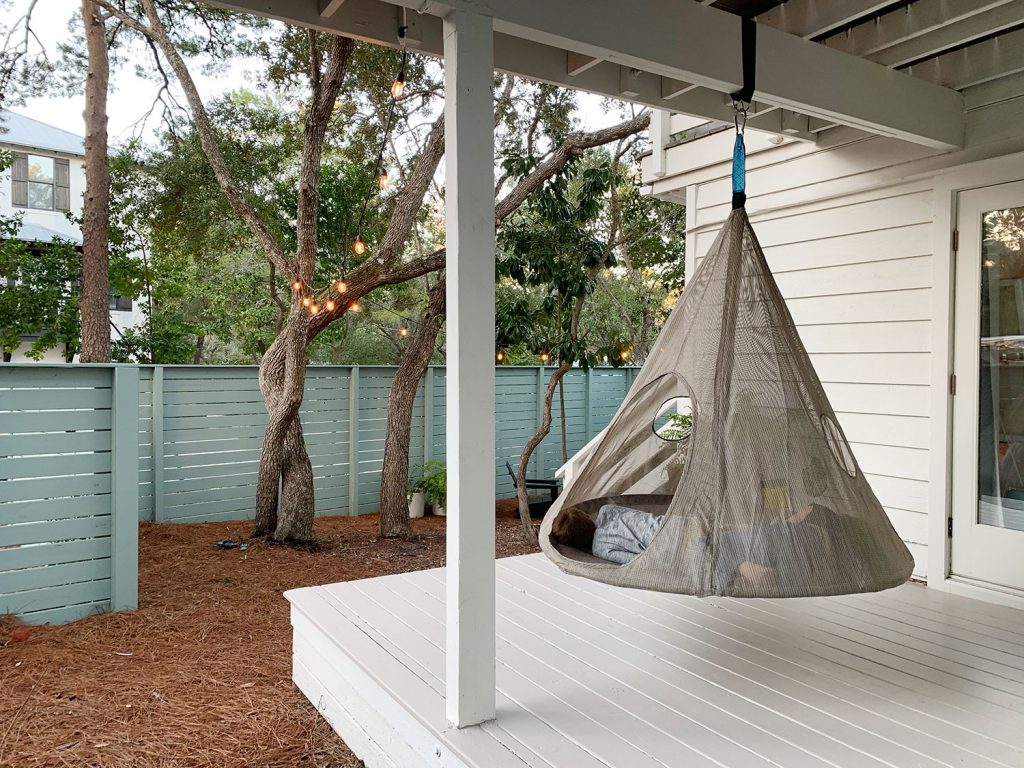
x: 77, y: 485
x: 52, y: 442
x: 40, y: 510
x: 25, y: 467
x: 55, y: 421
x: 67, y: 613
x: 25, y: 603
x: 52, y: 400
x: 54, y: 530
x: 54, y: 575
x: 53, y: 554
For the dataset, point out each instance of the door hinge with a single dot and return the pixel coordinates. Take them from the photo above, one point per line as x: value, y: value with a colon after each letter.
x: 949, y: 527
x: 952, y: 383
x: 956, y: 240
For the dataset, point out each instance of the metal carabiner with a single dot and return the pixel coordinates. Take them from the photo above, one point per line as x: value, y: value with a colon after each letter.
x: 739, y: 108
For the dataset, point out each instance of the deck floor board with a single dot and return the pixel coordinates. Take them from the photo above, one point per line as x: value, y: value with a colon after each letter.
x: 591, y: 676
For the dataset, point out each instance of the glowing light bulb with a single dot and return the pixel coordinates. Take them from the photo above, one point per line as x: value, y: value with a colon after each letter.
x: 356, y: 306
x: 383, y: 180
x: 500, y: 356
x: 544, y: 357
x: 398, y: 87
x: 988, y: 263
x: 342, y: 286
x: 307, y: 301
x: 329, y: 305
x: 624, y: 354
x: 314, y: 308
x: 359, y: 246
x: 403, y: 330
x: 297, y: 285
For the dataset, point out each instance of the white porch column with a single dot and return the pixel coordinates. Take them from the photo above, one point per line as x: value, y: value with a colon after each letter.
x: 469, y: 217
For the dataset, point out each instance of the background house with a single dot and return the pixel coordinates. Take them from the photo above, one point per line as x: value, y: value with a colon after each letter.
x: 44, y: 184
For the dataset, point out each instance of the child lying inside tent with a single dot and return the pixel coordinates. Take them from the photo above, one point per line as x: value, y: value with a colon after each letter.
x: 787, y: 550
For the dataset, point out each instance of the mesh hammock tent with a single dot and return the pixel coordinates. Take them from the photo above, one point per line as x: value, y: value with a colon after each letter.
x: 727, y: 436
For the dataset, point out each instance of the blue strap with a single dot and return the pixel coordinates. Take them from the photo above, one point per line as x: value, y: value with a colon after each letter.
x: 739, y: 172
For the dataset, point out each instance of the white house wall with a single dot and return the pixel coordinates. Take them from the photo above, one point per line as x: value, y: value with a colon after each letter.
x: 848, y: 229
x: 55, y: 220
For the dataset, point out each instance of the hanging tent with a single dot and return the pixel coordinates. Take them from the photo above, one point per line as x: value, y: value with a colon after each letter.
x: 728, y: 437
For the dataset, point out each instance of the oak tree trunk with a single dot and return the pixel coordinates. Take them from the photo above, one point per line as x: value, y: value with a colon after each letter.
x: 94, y: 302
x: 394, y: 510
x: 283, y: 460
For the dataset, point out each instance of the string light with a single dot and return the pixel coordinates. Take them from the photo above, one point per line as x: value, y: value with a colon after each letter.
x: 403, y: 329
x: 624, y: 354
x: 382, y: 180
x: 500, y: 356
x: 544, y: 356
x: 297, y: 285
x: 342, y: 286
x: 329, y: 305
x: 356, y: 306
x: 314, y: 308
x: 398, y: 87
x: 359, y: 246
x: 988, y: 263
x: 306, y: 301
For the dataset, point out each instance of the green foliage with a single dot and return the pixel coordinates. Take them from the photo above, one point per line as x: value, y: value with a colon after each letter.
x: 434, y: 482
x: 39, y: 291
x: 677, y: 426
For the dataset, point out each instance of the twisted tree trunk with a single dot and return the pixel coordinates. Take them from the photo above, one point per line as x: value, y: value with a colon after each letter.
x: 522, y: 495
x: 394, y: 515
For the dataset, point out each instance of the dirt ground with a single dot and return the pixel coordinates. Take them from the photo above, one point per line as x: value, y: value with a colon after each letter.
x: 200, y: 674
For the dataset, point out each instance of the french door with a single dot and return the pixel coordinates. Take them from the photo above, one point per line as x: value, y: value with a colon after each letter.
x: 988, y: 411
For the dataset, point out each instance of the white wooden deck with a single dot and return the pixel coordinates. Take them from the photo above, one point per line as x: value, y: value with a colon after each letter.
x: 590, y: 675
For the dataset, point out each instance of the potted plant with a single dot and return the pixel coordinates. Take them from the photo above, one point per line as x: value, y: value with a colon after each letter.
x: 435, y: 484
x: 417, y: 497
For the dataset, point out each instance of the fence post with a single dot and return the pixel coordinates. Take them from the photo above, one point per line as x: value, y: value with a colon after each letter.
x: 588, y: 417
x: 158, y: 443
x: 353, y: 441
x: 124, y: 467
x: 428, y: 414
x: 539, y: 452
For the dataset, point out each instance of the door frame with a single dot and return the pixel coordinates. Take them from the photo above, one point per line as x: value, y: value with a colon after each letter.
x: 945, y: 208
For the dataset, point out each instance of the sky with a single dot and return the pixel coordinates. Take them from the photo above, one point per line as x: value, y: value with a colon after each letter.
x: 132, y: 97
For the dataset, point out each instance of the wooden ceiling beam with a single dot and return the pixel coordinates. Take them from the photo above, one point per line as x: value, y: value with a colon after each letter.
x: 683, y: 41
x: 927, y: 28
x: 977, y: 64
x: 813, y: 18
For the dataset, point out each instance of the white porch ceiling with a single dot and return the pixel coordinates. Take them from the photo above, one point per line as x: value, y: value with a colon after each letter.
x: 678, y: 55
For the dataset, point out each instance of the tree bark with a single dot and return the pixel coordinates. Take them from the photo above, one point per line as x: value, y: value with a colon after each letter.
x: 394, y: 510
x: 94, y: 303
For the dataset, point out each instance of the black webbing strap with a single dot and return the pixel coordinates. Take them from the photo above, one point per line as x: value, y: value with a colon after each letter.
x: 748, y: 45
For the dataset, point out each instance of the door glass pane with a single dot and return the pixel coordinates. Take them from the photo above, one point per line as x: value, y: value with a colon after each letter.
x: 1001, y: 394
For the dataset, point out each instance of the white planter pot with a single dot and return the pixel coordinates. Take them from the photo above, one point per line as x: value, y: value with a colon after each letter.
x: 417, y: 502
x: 440, y: 511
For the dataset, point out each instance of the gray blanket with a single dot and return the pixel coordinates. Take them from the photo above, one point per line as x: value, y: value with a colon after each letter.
x: 623, y: 533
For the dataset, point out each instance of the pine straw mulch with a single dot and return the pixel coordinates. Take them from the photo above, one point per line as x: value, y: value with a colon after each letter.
x: 200, y: 675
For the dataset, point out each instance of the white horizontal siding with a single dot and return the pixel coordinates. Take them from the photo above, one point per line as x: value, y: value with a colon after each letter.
x: 856, y: 271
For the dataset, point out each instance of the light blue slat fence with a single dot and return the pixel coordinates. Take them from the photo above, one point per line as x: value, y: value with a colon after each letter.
x: 71, y: 437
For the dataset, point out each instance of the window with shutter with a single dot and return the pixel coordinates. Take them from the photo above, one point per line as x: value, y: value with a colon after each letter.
x: 62, y: 185
x: 19, y: 181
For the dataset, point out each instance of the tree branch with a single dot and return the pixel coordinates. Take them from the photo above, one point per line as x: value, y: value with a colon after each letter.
x: 574, y: 145
x: 155, y: 31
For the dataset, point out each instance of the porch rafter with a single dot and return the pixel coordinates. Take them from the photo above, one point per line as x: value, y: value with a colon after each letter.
x: 685, y: 50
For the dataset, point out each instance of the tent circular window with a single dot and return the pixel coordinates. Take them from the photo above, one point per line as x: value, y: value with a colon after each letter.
x: 674, y: 421
x: 838, y: 446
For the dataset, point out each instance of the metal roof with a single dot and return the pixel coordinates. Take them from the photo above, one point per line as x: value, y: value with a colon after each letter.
x: 30, y: 231
x: 23, y: 131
